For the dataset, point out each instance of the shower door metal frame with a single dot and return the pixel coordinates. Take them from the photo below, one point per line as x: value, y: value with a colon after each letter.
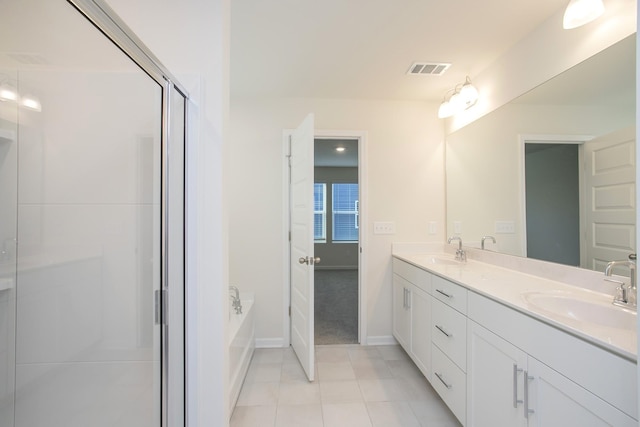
x: 106, y: 20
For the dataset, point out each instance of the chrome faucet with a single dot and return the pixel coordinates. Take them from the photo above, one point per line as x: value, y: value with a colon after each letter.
x: 485, y: 238
x: 237, y: 305
x: 625, y: 296
x: 461, y: 255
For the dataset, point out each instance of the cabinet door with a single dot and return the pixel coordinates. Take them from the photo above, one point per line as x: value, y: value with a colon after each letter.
x: 401, y: 313
x: 421, y: 330
x: 557, y: 401
x: 495, y: 371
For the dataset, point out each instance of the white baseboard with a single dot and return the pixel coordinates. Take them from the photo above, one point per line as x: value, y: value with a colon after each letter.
x: 381, y: 340
x: 269, y: 342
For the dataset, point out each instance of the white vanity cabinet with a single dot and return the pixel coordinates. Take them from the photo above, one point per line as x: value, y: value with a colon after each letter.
x: 449, y: 344
x: 430, y: 324
x: 508, y: 385
x: 402, y: 311
x: 412, y: 313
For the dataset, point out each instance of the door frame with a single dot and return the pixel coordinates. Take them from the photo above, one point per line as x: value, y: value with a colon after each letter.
x: 361, y: 137
x: 579, y: 140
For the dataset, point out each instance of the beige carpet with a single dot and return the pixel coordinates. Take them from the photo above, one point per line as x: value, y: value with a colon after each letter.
x: 336, y: 307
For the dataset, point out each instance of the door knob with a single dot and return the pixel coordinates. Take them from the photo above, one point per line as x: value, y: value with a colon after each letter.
x: 309, y: 260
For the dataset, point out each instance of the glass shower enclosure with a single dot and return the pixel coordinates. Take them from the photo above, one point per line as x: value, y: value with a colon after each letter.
x: 92, y: 141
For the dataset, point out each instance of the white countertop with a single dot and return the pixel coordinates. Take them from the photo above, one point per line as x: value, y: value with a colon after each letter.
x: 510, y: 287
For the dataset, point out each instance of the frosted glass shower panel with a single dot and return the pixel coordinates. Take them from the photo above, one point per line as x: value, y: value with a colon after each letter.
x: 88, y: 230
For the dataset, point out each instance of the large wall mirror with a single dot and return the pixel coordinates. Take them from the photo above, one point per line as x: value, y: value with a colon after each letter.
x: 551, y: 175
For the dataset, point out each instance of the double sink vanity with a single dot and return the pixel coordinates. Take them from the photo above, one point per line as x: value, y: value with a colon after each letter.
x: 503, y: 347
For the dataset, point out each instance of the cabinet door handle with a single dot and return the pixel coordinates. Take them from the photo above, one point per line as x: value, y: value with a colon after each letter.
x: 444, y: 293
x: 442, y: 380
x: 408, y: 298
x: 527, y: 411
x: 515, y: 385
x: 443, y: 331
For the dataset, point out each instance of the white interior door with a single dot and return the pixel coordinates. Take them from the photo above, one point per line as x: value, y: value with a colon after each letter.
x: 610, y: 202
x: 302, y: 259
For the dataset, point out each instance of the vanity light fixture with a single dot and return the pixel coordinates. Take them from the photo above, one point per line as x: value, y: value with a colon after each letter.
x: 340, y: 149
x: 581, y: 12
x: 463, y: 96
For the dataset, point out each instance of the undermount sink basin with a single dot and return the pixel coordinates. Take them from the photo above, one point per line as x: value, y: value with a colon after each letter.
x: 440, y: 260
x: 594, y: 311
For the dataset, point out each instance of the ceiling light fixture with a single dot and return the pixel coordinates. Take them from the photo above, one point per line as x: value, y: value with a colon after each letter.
x: 463, y: 96
x: 581, y: 12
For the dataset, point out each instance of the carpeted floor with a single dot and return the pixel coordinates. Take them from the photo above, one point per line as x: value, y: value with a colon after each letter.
x: 336, y: 307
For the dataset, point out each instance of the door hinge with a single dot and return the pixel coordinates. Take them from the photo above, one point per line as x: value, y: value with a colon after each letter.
x: 289, y: 311
x: 160, y: 298
x: 289, y: 235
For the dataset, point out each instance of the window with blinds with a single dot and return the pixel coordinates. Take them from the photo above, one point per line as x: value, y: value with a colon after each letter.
x: 345, y: 212
x: 319, y: 211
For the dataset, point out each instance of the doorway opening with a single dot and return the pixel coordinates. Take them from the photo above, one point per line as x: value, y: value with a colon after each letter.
x: 336, y: 241
x: 552, y: 191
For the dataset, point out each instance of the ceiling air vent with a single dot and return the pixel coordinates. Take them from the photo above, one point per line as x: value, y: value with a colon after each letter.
x: 428, y: 68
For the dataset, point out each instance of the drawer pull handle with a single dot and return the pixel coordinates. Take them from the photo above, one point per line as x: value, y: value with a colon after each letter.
x: 527, y: 411
x: 516, y: 370
x: 444, y: 293
x: 443, y: 331
x: 443, y: 381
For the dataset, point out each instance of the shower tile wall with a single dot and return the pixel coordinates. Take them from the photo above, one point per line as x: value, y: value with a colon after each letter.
x: 87, y: 226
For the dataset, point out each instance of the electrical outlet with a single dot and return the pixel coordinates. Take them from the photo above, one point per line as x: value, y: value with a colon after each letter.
x: 433, y: 227
x: 457, y: 227
x: 386, y: 227
x: 505, y: 227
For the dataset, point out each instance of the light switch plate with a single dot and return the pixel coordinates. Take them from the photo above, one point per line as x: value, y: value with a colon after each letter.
x: 505, y: 227
x: 384, y: 227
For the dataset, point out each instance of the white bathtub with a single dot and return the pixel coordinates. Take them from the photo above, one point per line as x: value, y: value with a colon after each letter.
x: 241, y: 346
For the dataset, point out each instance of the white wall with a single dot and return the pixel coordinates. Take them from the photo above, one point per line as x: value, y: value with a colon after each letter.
x: 405, y: 184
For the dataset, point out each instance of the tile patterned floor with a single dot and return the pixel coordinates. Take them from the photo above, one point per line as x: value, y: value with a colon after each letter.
x: 355, y: 386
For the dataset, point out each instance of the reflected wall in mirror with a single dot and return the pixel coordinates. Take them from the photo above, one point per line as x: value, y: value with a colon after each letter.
x: 584, y: 106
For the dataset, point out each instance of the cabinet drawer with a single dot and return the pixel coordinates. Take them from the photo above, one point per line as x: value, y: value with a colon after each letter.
x: 449, y: 293
x: 415, y: 275
x: 449, y: 332
x: 450, y: 383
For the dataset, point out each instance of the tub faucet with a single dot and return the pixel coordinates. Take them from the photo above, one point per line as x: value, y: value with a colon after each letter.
x: 485, y: 238
x: 236, y: 299
x: 461, y: 255
x: 626, y: 296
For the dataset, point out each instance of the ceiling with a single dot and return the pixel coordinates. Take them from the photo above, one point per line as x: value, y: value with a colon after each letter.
x: 325, y: 154
x: 363, y: 48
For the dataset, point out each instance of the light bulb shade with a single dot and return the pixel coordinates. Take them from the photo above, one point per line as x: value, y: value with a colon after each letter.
x: 468, y: 96
x: 581, y: 12
x: 8, y: 93
x: 445, y: 110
